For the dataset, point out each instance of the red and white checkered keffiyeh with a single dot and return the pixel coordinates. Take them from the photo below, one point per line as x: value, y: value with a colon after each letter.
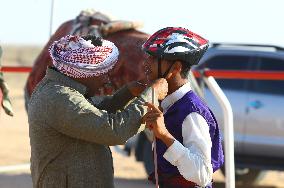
x: 78, y: 58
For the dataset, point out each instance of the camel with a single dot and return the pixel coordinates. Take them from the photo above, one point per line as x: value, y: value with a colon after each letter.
x: 122, y: 33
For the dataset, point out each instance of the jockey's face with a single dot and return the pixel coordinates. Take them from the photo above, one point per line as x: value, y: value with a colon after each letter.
x: 151, y: 68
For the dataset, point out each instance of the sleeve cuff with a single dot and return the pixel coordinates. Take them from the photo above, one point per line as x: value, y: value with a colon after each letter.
x: 123, y: 93
x: 146, y: 95
x: 174, y: 152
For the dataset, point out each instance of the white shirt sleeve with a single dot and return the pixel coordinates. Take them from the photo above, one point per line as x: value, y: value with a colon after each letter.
x: 193, y: 157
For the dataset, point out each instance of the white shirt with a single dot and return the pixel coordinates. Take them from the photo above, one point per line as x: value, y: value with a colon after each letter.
x: 193, y: 156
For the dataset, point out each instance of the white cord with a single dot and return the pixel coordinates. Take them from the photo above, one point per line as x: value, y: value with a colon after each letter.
x: 154, y: 148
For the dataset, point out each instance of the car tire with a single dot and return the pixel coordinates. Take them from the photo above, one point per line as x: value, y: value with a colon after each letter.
x: 246, y: 176
x: 148, y: 157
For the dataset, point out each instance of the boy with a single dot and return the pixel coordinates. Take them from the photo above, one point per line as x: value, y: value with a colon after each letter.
x: 188, y: 146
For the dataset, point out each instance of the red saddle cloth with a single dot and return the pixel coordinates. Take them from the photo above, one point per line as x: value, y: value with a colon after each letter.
x: 1, y: 97
x: 172, y: 181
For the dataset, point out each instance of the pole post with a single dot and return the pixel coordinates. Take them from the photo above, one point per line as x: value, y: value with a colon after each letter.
x: 51, y: 17
x: 228, y: 130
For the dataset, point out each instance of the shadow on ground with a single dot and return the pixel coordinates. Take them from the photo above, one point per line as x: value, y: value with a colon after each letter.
x: 131, y: 183
x: 222, y: 185
x: 24, y: 180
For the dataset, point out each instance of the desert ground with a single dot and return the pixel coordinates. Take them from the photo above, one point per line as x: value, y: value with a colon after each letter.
x: 15, y: 150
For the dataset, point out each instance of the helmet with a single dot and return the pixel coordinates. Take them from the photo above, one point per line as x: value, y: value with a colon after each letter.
x: 176, y: 43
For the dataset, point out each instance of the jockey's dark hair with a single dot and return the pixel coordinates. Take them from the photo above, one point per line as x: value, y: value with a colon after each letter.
x: 185, y: 69
x: 96, y: 41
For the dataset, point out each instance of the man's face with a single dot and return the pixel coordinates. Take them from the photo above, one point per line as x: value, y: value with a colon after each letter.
x: 99, y: 81
x: 103, y: 80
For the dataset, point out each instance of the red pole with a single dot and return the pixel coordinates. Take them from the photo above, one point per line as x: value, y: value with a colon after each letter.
x: 16, y: 69
x: 217, y: 74
x: 254, y: 75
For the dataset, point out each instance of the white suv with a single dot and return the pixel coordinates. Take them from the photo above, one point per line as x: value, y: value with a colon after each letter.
x: 258, y: 105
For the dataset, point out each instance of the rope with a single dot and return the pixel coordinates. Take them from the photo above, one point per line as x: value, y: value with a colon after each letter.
x: 155, y: 147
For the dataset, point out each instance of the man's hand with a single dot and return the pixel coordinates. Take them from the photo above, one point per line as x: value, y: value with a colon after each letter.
x: 154, y: 120
x: 161, y: 88
x: 136, y: 87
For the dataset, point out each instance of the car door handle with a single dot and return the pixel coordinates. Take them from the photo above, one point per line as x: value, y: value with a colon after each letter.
x: 255, y: 104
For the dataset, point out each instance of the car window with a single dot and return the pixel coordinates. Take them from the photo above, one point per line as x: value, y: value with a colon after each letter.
x: 229, y: 62
x: 270, y: 86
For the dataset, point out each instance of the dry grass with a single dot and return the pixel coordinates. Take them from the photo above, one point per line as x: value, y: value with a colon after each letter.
x: 19, y: 55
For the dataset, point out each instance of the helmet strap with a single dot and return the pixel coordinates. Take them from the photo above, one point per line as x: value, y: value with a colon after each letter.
x: 160, y: 68
x: 160, y: 75
x: 168, y: 70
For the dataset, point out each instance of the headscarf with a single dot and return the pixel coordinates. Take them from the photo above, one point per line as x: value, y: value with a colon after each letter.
x: 79, y: 58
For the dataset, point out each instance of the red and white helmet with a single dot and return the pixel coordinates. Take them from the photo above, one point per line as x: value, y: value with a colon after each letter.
x: 176, y: 43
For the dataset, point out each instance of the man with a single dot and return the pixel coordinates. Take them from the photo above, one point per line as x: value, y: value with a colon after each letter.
x: 4, y: 98
x: 189, y: 148
x: 69, y: 136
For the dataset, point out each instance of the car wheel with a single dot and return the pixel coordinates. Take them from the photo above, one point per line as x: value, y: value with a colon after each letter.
x: 246, y: 176
x: 148, y: 157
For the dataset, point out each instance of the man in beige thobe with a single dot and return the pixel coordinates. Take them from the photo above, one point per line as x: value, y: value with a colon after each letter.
x: 69, y: 134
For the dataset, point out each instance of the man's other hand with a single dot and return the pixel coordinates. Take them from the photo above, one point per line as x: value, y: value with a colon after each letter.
x: 161, y: 88
x: 136, y: 87
x: 154, y: 120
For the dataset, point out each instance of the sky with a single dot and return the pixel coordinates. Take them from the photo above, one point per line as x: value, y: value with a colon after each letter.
x: 233, y: 21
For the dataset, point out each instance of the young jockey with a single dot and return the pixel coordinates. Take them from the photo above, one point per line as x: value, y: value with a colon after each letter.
x: 188, y: 146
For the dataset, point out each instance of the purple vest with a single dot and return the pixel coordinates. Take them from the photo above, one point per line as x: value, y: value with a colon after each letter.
x: 174, y: 118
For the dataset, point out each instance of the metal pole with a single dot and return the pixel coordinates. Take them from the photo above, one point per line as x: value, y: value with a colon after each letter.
x: 51, y: 17
x: 195, y: 86
x: 154, y: 145
x: 228, y: 130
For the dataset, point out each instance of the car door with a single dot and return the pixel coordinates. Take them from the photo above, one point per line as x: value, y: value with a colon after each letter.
x: 264, y: 130
x: 234, y: 89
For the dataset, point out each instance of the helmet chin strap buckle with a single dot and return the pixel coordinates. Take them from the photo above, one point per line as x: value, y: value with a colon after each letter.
x: 160, y: 68
x: 160, y: 75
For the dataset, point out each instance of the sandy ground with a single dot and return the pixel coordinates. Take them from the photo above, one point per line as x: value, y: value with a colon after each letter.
x: 15, y: 149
